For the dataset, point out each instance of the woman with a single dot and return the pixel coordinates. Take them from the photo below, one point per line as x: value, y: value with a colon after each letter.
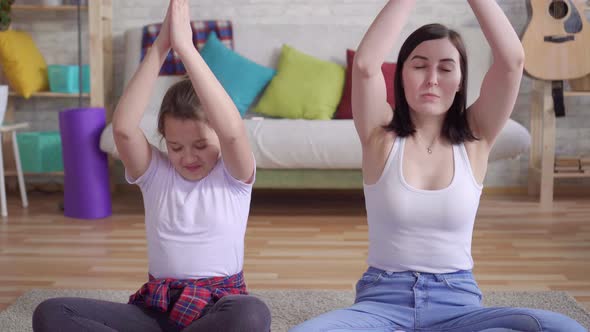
x: 423, y: 165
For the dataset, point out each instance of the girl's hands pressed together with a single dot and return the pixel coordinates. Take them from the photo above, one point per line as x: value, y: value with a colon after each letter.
x: 181, y: 34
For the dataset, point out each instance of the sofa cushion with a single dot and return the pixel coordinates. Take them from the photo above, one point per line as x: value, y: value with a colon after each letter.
x: 304, y: 88
x: 23, y: 64
x: 241, y: 78
x: 200, y: 29
x: 345, y: 108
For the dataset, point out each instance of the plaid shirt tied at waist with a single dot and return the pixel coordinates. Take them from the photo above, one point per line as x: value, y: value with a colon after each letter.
x: 194, y: 296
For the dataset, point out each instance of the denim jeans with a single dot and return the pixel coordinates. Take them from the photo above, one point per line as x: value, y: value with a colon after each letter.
x: 425, y: 302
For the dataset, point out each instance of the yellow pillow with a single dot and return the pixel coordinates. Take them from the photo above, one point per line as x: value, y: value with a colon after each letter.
x: 23, y: 64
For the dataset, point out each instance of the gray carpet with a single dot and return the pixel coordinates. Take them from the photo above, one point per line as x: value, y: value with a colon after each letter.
x: 290, y: 307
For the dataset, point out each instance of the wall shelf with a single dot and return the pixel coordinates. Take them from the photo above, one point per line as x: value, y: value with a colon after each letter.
x: 98, y: 20
x: 572, y: 175
x: 48, y: 94
x: 27, y: 174
x: 47, y: 8
x: 576, y: 93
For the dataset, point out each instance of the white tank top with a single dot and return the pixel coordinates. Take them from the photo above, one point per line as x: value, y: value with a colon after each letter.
x: 421, y: 230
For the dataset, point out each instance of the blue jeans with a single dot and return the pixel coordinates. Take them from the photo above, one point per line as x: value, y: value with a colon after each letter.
x: 425, y: 302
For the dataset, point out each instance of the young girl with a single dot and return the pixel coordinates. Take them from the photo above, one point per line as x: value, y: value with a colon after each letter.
x: 196, y: 200
x: 423, y: 165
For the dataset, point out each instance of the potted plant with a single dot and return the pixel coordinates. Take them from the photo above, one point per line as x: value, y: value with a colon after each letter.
x: 5, y: 6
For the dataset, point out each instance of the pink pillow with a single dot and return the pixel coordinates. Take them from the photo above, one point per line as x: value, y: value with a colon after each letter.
x: 345, y: 108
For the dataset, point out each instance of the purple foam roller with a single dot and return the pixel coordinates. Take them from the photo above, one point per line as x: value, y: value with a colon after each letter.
x: 87, y: 192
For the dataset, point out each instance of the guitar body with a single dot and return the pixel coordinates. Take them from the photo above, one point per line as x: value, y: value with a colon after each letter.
x: 556, y: 40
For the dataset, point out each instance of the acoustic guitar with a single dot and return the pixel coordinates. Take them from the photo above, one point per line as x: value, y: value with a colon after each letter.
x: 556, y: 44
x: 556, y: 40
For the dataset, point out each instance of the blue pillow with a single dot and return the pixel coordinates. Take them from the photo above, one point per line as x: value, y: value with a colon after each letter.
x: 241, y: 78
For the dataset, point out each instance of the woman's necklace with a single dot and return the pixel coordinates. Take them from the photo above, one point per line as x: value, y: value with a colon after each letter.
x: 428, y: 148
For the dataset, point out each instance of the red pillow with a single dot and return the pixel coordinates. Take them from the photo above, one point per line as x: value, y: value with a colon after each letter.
x: 345, y: 108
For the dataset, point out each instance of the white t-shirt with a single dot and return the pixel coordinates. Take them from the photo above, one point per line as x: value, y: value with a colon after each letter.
x: 195, y: 229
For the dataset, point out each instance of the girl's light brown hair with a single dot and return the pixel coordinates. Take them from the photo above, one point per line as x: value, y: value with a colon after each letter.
x: 180, y: 102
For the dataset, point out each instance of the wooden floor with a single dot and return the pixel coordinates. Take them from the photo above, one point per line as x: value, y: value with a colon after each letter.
x: 294, y: 240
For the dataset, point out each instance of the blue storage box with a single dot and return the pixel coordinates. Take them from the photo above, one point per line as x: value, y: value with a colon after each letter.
x: 40, y: 152
x: 64, y: 78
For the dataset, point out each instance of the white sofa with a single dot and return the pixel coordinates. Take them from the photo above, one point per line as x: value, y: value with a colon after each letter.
x: 311, y: 153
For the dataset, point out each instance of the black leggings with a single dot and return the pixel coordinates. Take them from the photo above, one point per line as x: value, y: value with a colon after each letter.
x: 242, y: 313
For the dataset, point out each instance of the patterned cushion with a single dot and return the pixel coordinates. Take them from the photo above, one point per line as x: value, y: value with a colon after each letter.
x: 201, y: 29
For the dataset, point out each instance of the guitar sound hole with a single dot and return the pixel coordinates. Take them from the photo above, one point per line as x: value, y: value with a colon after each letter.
x: 558, y: 9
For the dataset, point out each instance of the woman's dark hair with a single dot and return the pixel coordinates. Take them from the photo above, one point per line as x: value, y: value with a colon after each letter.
x: 180, y: 102
x: 455, y: 127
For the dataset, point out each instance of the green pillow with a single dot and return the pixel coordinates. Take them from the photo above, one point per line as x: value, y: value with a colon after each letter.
x: 304, y: 87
